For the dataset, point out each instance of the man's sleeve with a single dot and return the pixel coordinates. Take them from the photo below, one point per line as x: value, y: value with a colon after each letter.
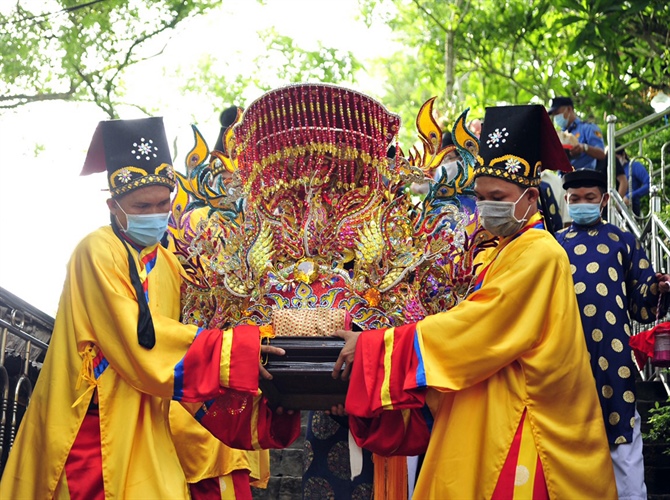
x: 386, y: 399
x: 186, y: 364
x: 642, y: 283
x: 595, y: 137
x: 643, y: 177
x: 245, y: 421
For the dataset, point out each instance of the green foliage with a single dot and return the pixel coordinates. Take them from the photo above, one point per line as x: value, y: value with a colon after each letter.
x: 80, y: 51
x: 660, y: 425
x: 282, y: 63
x: 611, y: 56
x: 292, y: 64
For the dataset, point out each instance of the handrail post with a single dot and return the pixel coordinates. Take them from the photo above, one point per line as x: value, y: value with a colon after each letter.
x: 655, y: 206
x: 611, y: 160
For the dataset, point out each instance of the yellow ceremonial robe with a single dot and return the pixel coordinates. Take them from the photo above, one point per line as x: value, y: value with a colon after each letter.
x: 98, y: 306
x: 515, y: 343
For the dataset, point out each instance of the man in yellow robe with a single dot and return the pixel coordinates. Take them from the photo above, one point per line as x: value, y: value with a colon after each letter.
x: 499, y: 388
x: 97, y: 425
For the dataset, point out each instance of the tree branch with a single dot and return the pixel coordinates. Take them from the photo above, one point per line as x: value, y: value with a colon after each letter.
x: 435, y: 20
x: 16, y: 100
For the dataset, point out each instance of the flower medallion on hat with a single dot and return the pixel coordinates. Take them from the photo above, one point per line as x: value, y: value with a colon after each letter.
x: 497, y: 137
x: 124, y: 175
x: 512, y: 165
x: 145, y: 148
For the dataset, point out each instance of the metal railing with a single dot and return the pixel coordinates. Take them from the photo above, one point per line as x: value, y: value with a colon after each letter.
x: 649, y: 229
x: 24, y: 334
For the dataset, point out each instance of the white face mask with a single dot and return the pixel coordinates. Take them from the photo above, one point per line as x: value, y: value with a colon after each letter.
x: 561, y: 121
x: 498, y: 216
x: 144, y: 229
x: 450, y: 168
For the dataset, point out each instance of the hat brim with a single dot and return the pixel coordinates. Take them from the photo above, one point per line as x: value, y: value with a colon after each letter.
x: 584, y: 178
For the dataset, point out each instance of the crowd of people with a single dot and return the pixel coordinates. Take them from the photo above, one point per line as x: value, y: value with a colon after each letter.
x: 523, y: 389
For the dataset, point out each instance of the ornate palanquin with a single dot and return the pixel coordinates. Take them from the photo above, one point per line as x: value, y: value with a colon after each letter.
x: 317, y: 214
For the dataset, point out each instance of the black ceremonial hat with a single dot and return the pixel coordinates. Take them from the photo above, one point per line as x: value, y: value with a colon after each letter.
x: 134, y: 153
x: 516, y: 143
x: 585, y: 177
x: 228, y: 117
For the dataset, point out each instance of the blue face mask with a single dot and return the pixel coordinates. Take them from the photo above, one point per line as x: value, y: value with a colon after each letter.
x: 561, y: 121
x: 145, y: 229
x: 585, y: 214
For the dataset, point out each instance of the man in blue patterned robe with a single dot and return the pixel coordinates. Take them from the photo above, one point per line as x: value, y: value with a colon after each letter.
x: 614, y: 282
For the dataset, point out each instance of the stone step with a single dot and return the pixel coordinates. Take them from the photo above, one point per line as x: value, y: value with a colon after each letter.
x: 280, y: 488
x: 286, y: 462
x: 286, y: 467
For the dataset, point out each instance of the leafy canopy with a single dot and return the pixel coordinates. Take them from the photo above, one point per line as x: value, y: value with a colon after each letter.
x: 79, y: 50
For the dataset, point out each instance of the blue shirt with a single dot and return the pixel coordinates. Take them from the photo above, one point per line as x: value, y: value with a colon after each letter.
x: 639, y: 185
x: 586, y: 133
x: 614, y: 281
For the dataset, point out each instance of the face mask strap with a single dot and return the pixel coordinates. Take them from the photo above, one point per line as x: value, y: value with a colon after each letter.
x: 118, y: 222
x: 523, y: 219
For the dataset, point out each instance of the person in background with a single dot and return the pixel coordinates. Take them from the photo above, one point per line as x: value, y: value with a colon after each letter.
x: 620, y: 173
x: 639, y: 185
x: 475, y: 126
x: 587, y: 145
x: 552, y: 181
x: 614, y: 282
x: 226, y: 119
x: 551, y: 192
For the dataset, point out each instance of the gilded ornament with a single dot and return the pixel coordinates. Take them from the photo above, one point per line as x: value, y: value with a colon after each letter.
x: 306, y: 271
x: 372, y: 296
